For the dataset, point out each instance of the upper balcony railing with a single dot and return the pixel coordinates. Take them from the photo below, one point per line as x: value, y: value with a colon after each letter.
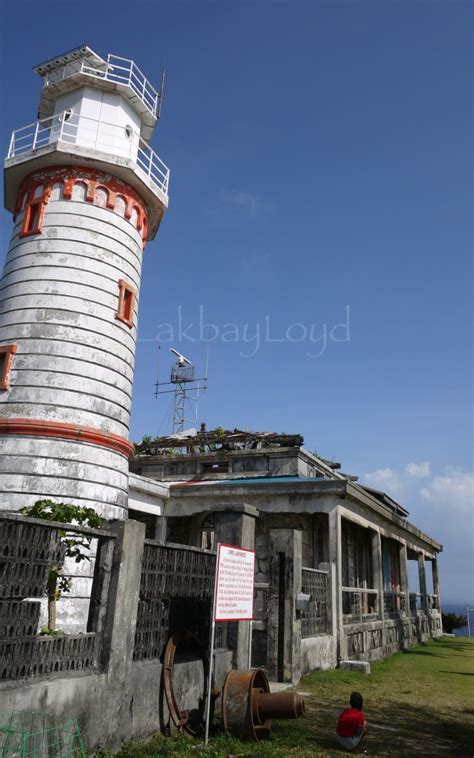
x: 420, y: 602
x: 86, y: 132
x: 394, y: 603
x: 360, y: 605
x: 119, y: 70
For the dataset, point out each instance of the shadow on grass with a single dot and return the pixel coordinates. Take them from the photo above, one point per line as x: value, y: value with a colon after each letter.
x: 403, y: 730
x: 442, y: 650
x: 394, y: 730
x: 458, y: 673
x: 455, y: 645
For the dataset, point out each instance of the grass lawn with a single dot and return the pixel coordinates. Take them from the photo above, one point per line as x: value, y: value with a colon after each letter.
x: 417, y: 703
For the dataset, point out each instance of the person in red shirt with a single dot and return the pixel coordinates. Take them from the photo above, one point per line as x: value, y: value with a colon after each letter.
x: 352, y: 725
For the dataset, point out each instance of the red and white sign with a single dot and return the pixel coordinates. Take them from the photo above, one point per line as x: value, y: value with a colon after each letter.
x: 234, y: 584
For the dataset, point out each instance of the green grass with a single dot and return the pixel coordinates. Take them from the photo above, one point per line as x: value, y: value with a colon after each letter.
x: 420, y: 702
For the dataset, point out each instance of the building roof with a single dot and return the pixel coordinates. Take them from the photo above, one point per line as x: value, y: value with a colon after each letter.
x: 327, y: 477
x: 295, y: 486
x: 215, y: 440
x: 244, y: 480
x: 83, y: 52
x: 385, y: 499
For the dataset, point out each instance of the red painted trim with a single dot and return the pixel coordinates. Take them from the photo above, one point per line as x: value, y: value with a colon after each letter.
x: 8, y: 351
x: 31, y: 203
x: 62, y: 430
x: 125, y: 287
x: 93, y: 179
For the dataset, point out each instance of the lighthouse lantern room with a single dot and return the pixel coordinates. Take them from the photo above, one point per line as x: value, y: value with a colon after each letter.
x: 86, y: 192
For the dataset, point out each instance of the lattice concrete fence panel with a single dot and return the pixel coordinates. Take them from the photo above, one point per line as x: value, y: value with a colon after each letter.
x: 28, y: 548
x: 315, y: 620
x: 176, y: 588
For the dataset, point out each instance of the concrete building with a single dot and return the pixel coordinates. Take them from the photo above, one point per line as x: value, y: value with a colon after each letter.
x: 86, y: 192
x: 315, y: 530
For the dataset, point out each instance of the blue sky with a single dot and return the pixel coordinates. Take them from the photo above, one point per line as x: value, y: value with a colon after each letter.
x: 321, y: 160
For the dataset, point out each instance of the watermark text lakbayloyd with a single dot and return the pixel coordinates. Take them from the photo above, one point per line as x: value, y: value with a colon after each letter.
x: 314, y: 337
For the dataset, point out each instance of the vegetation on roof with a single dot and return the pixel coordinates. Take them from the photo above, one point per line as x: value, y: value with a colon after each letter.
x: 206, y: 441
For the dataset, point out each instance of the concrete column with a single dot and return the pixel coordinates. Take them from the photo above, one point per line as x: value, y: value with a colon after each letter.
x: 378, y: 571
x: 237, y: 527
x: 161, y: 529
x: 331, y: 580
x: 124, y: 590
x: 335, y: 560
x: 284, y: 629
x: 404, y: 575
x: 422, y: 578
x: 434, y: 564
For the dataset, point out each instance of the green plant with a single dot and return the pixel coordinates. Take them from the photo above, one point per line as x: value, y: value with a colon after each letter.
x: 76, y: 546
x: 144, y: 446
x: 45, y: 631
x: 452, y: 622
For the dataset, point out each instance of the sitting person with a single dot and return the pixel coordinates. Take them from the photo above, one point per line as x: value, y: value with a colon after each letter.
x: 352, y: 725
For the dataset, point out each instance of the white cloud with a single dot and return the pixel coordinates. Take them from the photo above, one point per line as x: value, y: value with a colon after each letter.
x: 454, y: 489
x: 385, y: 479
x: 418, y: 470
x: 244, y: 201
x: 230, y: 205
x: 440, y: 504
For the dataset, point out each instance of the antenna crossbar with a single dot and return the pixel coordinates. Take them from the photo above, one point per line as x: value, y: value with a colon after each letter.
x: 187, y: 388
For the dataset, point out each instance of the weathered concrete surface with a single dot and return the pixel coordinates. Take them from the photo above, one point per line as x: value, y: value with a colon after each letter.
x: 305, y: 496
x: 284, y: 628
x: 372, y: 641
x: 146, y: 495
x: 124, y: 590
x: 318, y: 653
x: 362, y: 667
x: 127, y: 701
x: 74, y: 360
x: 110, y: 710
x: 63, y: 293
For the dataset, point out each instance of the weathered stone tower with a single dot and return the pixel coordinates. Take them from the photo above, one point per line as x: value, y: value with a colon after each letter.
x: 86, y: 192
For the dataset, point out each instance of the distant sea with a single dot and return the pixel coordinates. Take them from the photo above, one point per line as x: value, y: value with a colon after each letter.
x: 460, y: 610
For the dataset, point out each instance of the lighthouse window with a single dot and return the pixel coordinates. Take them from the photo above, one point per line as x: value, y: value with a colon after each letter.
x: 128, y: 131
x: 32, y: 223
x: 126, y: 303
x: 6, y: 362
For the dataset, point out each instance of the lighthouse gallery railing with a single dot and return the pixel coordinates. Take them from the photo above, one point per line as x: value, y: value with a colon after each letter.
x: 84, y: 131
x: 119, y: 70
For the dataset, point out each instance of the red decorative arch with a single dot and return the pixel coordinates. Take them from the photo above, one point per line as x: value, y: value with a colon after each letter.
x: 93, y: 180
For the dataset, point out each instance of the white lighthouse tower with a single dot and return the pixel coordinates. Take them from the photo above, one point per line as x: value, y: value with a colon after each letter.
x: 86, y: 192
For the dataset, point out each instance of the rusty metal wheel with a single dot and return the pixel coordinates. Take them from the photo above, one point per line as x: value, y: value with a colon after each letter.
x: 189, y: 722
x: 248, y: 707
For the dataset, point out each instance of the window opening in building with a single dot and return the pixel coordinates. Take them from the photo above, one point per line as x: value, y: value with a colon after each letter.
x: 126, y: 303
x: 208, y: 534
x: 33, y: 221
x: 6, y: 362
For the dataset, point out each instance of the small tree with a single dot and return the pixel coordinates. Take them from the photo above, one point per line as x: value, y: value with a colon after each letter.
x: 452, y: 622
x: 144, y: 446
x: 77, y: 545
